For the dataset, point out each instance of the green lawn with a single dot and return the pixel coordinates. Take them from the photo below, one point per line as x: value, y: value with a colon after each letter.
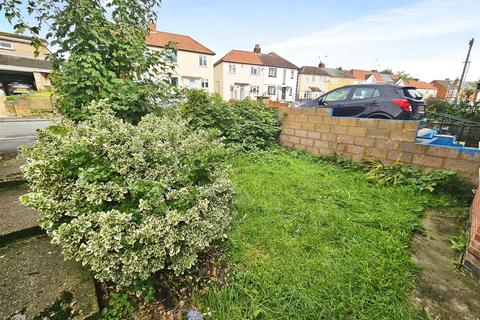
x: 315, y: 241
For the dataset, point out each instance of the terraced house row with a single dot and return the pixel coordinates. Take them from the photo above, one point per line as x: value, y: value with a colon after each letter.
x: 237, y: 75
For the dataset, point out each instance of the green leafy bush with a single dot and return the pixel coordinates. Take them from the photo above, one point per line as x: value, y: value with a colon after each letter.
x: 127, y: 201
x: 119, y: 307
x: 248, y: 124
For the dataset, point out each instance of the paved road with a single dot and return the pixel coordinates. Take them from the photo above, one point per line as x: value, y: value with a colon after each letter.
x: 15, y: 132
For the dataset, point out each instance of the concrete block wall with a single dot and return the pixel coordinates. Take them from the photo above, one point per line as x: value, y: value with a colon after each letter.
x: 390, y: 141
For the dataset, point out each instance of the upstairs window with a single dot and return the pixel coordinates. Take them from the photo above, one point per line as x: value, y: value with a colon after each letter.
x: 174, y: 57
x: 202, y: 61
x: 174, y: 81
x: 232, y: 68
x: 6, y: 45
x: 292, y: 74
x: 254, y: 71
x: 272, y: 72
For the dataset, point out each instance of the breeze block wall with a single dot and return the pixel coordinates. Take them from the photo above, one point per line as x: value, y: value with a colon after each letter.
x: 472, y: 256
x: 316, y: 130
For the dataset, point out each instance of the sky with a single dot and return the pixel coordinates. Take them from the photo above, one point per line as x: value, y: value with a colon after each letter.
x: 426, y: 38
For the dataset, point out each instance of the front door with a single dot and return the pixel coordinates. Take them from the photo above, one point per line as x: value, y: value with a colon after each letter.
x: 242, y: 93
x: 284, y: 93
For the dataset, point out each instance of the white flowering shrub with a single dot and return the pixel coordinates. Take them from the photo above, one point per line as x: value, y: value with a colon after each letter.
x: 127, y: 201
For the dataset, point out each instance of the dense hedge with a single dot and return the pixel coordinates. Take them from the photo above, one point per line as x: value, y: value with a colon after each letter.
x: 462, y: 110
x: 127, y: 200
x: 248, y: 124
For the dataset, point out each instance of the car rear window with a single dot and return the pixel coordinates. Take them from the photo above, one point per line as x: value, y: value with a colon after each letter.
x: 412, y: 93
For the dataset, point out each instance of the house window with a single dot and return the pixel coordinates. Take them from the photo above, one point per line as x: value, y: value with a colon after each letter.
x: 307, y: 78
x: 292, y: 74
x: 232, y: 68
x: 290, y: 92
x: 190, y: 83
x: 174, y: 57
x: 205, y: 83
x: 313, y: 78
x: 254, y: 89
x: 254, y: 71
x: 174, y: 81
x: 272, y: 72
x: 6, y: 45
x: 202, y: 61
x: 271, y: 90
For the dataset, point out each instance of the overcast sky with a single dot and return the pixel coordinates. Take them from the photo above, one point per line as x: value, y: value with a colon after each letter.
x: 426, y: 38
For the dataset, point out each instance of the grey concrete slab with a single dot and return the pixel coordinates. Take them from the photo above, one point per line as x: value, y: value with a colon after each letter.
x: 14, y: 216
x: 36, y: 280
x: 10, y: 167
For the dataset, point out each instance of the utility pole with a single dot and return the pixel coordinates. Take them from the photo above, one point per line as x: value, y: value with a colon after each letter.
x: 470, y: 45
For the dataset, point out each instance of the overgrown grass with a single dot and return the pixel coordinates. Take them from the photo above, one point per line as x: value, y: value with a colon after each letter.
x: 315, y: 241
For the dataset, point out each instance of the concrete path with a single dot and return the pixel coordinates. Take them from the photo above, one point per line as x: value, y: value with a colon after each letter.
x: 16, y: 219
x: 442, y: 290
x: 36, y: 282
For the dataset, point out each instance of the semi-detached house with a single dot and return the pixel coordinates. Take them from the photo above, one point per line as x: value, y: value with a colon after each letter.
x: 193, y: 61
x: 241, y: 74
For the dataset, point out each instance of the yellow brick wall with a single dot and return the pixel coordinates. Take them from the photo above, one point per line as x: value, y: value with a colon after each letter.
x: 391, y: 141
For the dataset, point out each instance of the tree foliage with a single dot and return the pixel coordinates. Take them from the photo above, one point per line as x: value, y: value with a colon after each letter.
x: 99, y: 52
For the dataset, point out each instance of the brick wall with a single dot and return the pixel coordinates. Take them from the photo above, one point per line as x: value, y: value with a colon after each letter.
x: 391, y: 141
x: 472, y: 256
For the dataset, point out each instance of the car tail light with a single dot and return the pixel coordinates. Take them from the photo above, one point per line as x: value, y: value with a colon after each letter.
x: 404, y: 104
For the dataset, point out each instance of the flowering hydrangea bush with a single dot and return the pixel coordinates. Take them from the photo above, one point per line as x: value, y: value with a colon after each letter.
x: 127, y: 201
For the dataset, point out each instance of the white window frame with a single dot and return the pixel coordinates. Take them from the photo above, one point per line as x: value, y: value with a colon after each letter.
x: 292, y: 74
x: 255, y: 71
x: 205, y: 84
x: 10, y: 45
x: 232, y: 68
x: 272, y: 72
x: 202, y: 61
x: 172, y: 81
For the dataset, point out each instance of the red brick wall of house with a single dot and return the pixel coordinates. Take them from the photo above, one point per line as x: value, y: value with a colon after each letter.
x: 441, y: 90
x: 472, y: 256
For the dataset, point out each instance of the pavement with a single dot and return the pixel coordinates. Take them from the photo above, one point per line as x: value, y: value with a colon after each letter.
x: 36, y: 282
x: 15, y: 132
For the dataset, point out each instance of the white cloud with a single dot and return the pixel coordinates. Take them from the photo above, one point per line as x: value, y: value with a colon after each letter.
x: 381, y: 35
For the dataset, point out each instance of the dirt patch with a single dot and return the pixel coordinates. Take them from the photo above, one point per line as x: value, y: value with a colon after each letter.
x: 443, y: 290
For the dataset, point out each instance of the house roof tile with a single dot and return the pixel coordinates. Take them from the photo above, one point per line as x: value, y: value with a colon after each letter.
x: 418, y: 84
x: 248, y: 57
x: 183, y: 42
x: 324, y: 72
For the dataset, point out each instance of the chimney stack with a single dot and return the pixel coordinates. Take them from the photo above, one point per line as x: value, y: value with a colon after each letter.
x: 321, y: 65
x: 257, y: 49
x: 152, y: 25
